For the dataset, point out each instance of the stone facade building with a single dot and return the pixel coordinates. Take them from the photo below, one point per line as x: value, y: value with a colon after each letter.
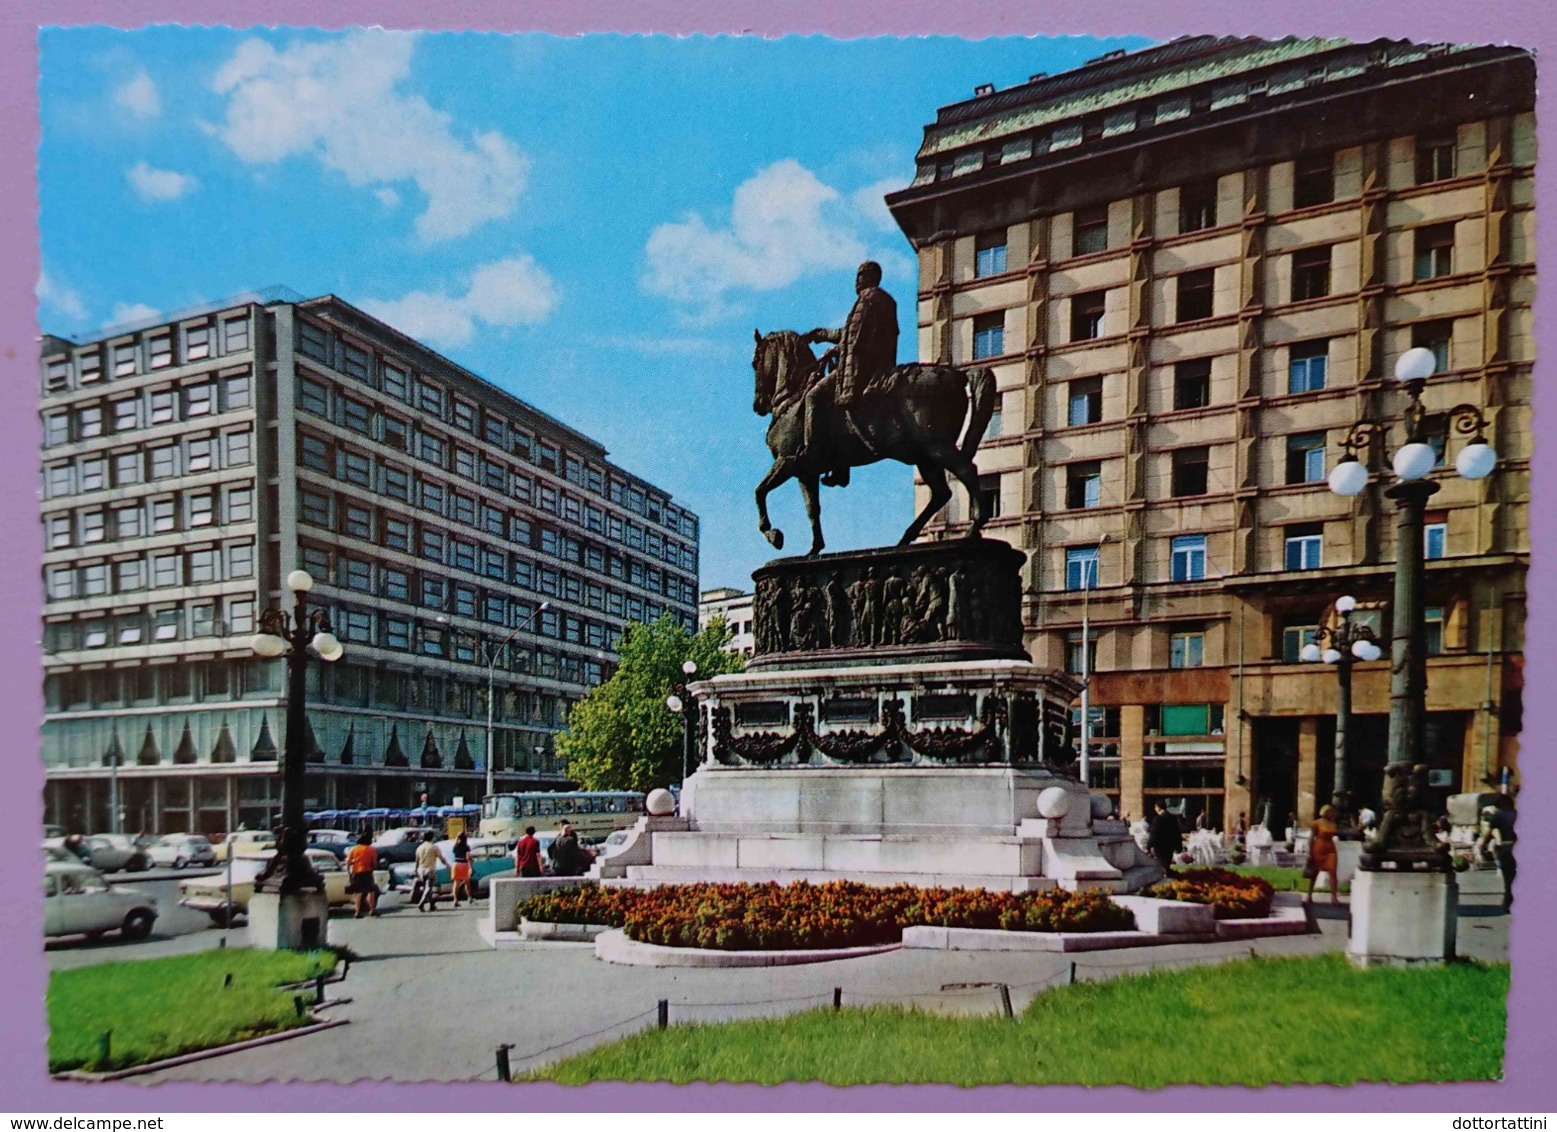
x: 735, y: 606
x: 1192, y: 269
x: 190, y: 464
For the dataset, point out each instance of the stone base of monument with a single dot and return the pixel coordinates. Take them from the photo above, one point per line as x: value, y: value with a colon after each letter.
x: 294, y: 922
x: 1402, y: 918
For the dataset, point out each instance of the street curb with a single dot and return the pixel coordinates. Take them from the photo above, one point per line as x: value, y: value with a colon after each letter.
x: 614, y: 947
x: 199, y: 1055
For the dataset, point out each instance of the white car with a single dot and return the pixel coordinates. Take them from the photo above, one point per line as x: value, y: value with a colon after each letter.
x: 210, y: 894
x: 246, y: 843
x: 181, y: 849
x: 77, y: 901
x: 111, y: 852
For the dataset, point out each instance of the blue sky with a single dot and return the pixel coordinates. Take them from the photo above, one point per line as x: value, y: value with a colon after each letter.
x: 595, y: 223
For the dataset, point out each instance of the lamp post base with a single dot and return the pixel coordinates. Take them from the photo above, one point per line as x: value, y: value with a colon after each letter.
x: 1402, y: 918
x: 294, y: 921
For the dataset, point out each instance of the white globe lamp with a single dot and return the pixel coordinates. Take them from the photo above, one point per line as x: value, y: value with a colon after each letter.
x: 1345, y: 604
x: 1416, y: 364
x: 1476, y: 460
x: 1414, y: 461
x: 1310, y: 652
x: 328, y: 646
x: 268, y: 645
x: 1348, y: 477
x: 1331, y: 656
x: 300, y: 581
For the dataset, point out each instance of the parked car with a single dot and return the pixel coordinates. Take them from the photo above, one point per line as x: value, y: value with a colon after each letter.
x: 246, y: 843
x: 74, y: 849
x: 489, y: 856
x: 335, y: 841
x: 181, y: 850
x: 77, y: 901
x: 56, y: 854
x: 396, y: 845
x: 614, y: 841
x: 209, y: 894
x: 112, y: 852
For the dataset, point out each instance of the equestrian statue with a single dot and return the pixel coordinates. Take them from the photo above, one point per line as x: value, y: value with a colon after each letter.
x: 856, y: 406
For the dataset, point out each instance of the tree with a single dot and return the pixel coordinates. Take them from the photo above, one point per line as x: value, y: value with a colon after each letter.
x: 621, y: 736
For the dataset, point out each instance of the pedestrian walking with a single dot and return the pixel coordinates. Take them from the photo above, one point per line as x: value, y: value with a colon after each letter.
x: 361, y: 860
x: 1322, y: 855
x: 428, y: 857
x: 1166, y: 837
x: 568, y: 857
x: 1497, y: 834
x: 461, y: 869
x: 527, y: 855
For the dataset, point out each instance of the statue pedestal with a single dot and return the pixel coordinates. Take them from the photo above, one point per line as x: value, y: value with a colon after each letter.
x: 295, y: 922
x: 1402, y: 918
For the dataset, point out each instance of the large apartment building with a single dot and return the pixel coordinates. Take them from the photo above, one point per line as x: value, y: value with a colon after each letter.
x: 1192, y: 269
x: 189, y: 465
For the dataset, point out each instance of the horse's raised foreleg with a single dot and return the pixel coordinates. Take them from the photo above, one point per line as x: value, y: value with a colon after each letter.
x: 934, y: 477
x: 777, y: 474
x: 808, y: 492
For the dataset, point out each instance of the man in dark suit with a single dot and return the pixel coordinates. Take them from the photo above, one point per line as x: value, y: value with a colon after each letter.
x: 1166, y: 838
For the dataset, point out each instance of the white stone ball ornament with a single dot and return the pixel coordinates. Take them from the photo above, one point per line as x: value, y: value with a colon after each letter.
x: 661, y: 803
x: 1053, y: 803
x: 1102, y: 806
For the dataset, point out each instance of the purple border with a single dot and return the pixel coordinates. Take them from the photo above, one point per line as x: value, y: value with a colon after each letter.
x: 24, y: 1086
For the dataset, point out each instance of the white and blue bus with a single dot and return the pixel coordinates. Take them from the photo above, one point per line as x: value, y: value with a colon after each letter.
x: 594, y: 814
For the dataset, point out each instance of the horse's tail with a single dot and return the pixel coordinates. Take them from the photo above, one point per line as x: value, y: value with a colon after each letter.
x: 981, y: 394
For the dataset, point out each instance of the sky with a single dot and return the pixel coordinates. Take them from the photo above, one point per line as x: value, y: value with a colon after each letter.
x: 595, y: 223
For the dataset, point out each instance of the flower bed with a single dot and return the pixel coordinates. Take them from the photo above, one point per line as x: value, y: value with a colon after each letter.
x: 1233, y: 895
x: 765, y: 917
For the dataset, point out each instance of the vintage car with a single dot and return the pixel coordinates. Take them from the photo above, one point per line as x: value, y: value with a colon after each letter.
x: 78, y: 901
x: 489, y: 856
x: 112, y: 852
x: 211, y: 895
x: 181, y: 850
x: 399, y: 844
x: 246, y: 843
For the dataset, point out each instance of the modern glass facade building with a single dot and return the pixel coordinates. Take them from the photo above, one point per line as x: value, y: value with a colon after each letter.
x: 189, y: 465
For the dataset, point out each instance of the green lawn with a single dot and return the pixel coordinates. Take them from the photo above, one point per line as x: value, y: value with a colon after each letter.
x: 156, y: 1008
x: 1282, y: 880
x: 1251, y: 1022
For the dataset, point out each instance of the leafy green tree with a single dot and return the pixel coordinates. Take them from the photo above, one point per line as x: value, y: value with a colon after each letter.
x: 621, y: 736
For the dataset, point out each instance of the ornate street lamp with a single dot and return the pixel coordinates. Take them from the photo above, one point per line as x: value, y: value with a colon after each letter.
x: 1342, y: 643
x: 292, y: 635
x: 681, y: 702
x: 1408, y: 636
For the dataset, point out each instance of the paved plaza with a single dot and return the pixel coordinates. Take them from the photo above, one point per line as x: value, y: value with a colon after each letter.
x: 430, y: 1001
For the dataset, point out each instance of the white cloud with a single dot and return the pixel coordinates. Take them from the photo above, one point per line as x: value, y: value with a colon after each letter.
x: 870, y: 202
x: 132, y: 312
x: 784, y: 224
x: 156, y: 186
x: 387, y: 197
x: 52, y: 293
x: 508, y: 292
x: 343, y: 102
x: 138, y: 94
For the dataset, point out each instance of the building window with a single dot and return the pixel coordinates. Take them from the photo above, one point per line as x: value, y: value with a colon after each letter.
x: 314, y: 452
x: 989, y: 493
x: 127, y: 522
x: 56, y: 377
x: 1186, y: 650
x: 397, y: 633
x: 464, y: 555
x: 58, y: 527
x: 1433, y: 616
x: 432, y: 496
x: 1081, y: 568
x: 313, y: 341
x: 396, y: 382
x: 356, y: 362
x: 989, y: 255
x: 164, y: 570
x: 1435, y: 538
x: 129, y: 576
x: 359, y: 521
x: 240, y: 505
x: 431, y: 449
x: 357, y: 575
x: 201, y: 509
x: 1306, y: 365
x: 989, y: 335
x: 1092, y: 230
x: 1195, y: 289
x: 1197, y: 206
x: 237, y: 334
x: 240, y: 616
x: 1438, y: 337
x: 164, y: 626
x: 432, y: 544
x: 127, y: 414
x: 240, y: 561
x: 1073, y: 661
x: 163, y: 515
x: 201, y: 566
x: 429, y: 398
x: 1084, y: 484
x: 56, y: 429
x: 357, y: 625
x: 1434, y: 251
x: 89, y: 422
x: 92, y: 527
x: 314, y: 507
x: 357, y: 468
x: 434, y: 593
x: 1086, y: 401
x: 1313, y: 181
x: 164, y: 406
x: 396, y: 584
x: 238, y: 448
x: 1188, y: 558
x: 1086, y: 315
x: 91, y: 365
x: 1306, y: 457
x: 465, y: 463
x: 1191, y: 471
x: 197, y: 343
x: 464, y: 510
x: 1192, y: 384
x: 199, y: 458
x: 1310, y: 273
x: 235, y: 393
x: 1304, y: 546
x: 1434, y: 159
x: 397, y: 534
x: 199, y: 400
x: 124, y: 359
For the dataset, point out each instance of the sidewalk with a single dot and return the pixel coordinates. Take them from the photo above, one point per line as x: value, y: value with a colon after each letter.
x: 430, y: 1001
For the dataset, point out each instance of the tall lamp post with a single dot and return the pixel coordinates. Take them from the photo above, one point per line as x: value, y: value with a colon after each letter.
x: 1342, y: 643
x: 1088, y: 584
x: 680, y: 701
x: 490, y: 654
x: 292, y: 635
x: 1411, y: 463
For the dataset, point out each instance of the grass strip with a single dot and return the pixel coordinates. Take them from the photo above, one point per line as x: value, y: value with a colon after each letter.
x: 1310, y: 1020
x: 157, y: 1008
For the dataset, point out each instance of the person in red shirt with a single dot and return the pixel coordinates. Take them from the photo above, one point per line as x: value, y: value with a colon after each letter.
x: 527, y: 854
x: 361, y: 860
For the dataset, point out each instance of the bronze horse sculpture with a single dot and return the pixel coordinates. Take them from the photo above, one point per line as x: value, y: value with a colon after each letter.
x: 915, y: 414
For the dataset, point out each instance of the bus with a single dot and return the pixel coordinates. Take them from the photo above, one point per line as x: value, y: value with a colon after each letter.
x: 594, y: 814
